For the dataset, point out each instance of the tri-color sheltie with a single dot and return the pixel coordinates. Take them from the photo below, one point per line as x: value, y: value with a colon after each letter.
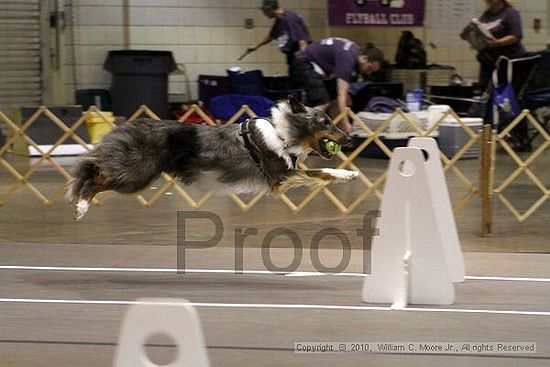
x: 256, y: 155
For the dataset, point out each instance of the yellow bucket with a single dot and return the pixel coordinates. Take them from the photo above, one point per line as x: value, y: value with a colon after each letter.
x: 97, y: 126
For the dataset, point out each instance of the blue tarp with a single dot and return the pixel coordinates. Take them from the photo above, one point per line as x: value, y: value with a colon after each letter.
x: 224, y: 107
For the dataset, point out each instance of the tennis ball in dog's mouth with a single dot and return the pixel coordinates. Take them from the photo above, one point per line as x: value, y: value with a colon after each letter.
x: 332, y: 147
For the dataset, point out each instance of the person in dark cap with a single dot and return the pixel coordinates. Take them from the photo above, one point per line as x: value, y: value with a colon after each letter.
x: 289, y: 30
x: 325, y: 68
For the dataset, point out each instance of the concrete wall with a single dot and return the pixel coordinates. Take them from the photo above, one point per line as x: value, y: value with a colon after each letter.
x: 207, y: 36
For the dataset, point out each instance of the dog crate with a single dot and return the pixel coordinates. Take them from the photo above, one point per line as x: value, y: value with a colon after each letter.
x: 396, y: 135
x: 452, y: 137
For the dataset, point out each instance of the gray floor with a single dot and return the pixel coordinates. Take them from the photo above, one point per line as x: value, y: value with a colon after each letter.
x: 45, y: 334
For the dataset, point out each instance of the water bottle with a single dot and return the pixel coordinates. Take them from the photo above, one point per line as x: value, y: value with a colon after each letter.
x: 414, y: 100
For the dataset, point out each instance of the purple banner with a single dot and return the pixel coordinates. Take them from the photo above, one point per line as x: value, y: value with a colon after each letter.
x: 376, y: 13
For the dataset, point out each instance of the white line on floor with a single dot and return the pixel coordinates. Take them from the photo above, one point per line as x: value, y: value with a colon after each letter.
x: 510, y: 279
x: 229, y: 271
x: 167, y: 270
x: 279, y: 306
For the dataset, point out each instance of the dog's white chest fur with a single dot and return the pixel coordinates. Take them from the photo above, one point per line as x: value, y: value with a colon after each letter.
x: 273, y: 141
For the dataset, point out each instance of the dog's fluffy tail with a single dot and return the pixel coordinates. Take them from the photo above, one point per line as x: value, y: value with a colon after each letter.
x: 85, y: 170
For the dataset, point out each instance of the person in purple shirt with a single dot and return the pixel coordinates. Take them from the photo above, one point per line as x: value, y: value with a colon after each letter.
x: 325, y: 68
x: 289, y: 30
x: 504, y: 23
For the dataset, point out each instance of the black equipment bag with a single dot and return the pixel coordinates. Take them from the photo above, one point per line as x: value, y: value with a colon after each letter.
x: 410, y: 52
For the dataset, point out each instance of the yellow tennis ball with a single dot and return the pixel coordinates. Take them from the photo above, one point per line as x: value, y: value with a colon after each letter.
x: 333, y: 147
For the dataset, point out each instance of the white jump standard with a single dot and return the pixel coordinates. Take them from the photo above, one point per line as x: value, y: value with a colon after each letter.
x: 417, y: 257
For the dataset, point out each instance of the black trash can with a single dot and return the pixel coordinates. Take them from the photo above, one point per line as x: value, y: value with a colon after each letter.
x: 140, y: 77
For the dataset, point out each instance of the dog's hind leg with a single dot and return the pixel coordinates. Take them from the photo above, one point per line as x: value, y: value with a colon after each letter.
x: 88, y: 182
x: 90, y: 188
x: 81, y: 209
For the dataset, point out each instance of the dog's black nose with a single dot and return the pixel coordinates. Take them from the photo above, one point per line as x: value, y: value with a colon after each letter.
x: 347, y: 141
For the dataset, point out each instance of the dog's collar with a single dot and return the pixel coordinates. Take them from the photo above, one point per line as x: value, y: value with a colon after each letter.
x: 244, y: 132
x: 244, y: 128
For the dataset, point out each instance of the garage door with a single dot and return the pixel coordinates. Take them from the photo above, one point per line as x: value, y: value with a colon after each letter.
x: 20, y: 54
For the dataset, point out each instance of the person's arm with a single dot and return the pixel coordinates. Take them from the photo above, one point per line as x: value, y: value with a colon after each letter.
x: 343, y: 88
x: 265, y: 41
x: 504, y: 41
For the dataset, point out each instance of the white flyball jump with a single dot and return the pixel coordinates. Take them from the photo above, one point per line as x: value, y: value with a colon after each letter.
x: 417, y: 256
x: 174, y: 318
x: 444, y: 209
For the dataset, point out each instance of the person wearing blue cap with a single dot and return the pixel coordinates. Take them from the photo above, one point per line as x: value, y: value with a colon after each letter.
x: 289, y: 30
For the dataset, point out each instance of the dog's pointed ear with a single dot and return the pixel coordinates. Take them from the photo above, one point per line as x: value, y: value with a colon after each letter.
x: 295, y: 105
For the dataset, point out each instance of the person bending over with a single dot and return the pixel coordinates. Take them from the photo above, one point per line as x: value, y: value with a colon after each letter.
x: 325, y: 68
x: 289, y: 29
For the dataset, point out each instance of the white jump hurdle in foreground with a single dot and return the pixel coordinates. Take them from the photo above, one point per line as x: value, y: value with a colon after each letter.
x: 417, y: 256
x: 175, y: 318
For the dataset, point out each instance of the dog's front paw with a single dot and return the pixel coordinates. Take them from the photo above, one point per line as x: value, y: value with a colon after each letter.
x: 342, y: 175
x: 347, y: 176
